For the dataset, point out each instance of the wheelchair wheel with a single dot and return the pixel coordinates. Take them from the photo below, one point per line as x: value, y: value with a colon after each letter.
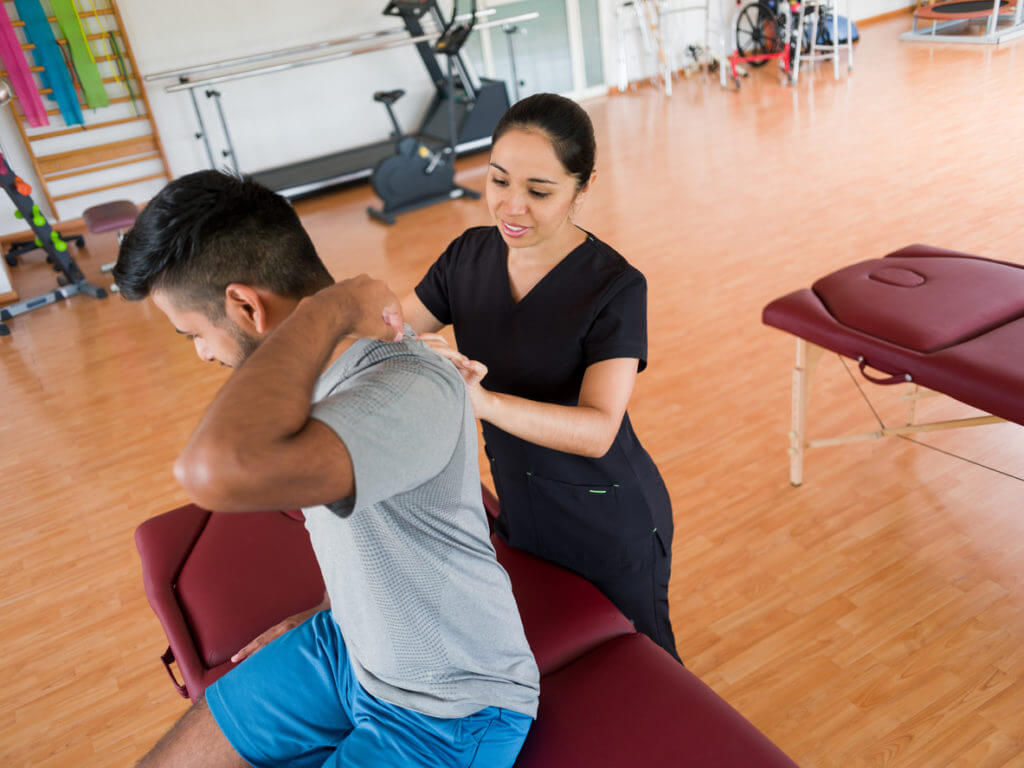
x: 757, y: 32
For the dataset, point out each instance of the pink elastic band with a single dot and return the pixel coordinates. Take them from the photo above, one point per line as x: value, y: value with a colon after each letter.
x: 21, y: 76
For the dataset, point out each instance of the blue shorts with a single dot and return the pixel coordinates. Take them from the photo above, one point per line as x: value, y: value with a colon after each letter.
x: 296, y: 702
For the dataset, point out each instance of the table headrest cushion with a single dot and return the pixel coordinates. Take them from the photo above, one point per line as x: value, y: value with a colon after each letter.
x: 898, y: 276
x: 924, y: 303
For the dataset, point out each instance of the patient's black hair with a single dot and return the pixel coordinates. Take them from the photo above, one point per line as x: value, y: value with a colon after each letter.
x: 209, y: 229
x: 564, y: 122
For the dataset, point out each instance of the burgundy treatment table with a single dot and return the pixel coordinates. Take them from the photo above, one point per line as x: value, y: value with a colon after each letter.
x: 609, y: 697
x: 945, y: 321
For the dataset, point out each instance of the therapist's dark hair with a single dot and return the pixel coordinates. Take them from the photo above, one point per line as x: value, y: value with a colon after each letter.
x: 564, y: 122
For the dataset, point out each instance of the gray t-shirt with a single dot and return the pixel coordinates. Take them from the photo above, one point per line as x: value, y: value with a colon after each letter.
x: 426, y: 611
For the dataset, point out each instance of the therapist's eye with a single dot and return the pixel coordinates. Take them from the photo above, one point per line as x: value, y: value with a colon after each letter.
x: 539, y: 195
x: 499, y: 182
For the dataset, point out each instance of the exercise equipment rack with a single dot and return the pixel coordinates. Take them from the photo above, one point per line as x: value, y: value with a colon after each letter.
x: 89, y: 158
x: 71, y: 281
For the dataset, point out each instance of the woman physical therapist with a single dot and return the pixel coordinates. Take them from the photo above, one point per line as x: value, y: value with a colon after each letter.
x: 550, y: 324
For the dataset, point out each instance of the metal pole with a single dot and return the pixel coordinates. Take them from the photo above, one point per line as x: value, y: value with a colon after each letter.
x: 215, y: 95
x: 621, y: 37
x: 993, y: 20
x: 509, y: 30
x: 202, y: 126
x: 453, y: 129
x: 467, y: 83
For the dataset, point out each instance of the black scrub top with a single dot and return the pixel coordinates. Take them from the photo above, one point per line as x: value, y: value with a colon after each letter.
x: 600, y: 517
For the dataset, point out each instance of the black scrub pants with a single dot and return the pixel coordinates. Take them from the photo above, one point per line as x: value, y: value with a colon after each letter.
x: 643, y: 597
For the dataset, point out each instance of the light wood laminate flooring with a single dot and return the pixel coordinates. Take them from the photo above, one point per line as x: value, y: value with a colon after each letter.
x: 873, y: 617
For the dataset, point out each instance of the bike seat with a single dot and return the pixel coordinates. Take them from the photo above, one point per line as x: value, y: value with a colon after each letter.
x: 388, y: 97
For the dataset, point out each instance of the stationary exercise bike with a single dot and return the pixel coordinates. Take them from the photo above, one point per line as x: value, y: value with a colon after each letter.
x: 416, y: 175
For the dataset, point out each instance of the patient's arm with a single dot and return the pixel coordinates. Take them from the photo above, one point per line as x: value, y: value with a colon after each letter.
x: 257, y: 447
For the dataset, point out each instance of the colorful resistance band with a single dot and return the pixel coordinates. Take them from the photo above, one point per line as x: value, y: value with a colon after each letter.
x: 47, y: 55
x: 117, y: 69
x: 123, y: 68
x: 66, y: 53
x: 81, y: 54
x: 21, y: 76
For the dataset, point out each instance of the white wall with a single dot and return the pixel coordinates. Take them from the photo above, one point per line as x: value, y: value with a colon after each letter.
x: 274, y: 119
x: 865, y: 9
x: 282, y: 117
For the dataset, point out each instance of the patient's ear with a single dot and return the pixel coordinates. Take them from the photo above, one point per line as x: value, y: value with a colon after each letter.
x: 246, y: 307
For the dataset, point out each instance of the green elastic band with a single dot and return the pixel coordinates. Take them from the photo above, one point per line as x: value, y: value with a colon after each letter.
x: 81, y: 54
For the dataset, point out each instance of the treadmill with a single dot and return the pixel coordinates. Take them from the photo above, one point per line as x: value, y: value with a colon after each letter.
x: 479, y: 104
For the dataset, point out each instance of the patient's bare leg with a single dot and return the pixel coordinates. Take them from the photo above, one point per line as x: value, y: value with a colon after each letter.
x: 195, y: 740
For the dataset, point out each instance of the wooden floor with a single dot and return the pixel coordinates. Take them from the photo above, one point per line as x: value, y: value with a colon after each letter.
x: 873, y: 617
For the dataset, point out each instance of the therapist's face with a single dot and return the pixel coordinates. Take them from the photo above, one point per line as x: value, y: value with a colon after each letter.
x: 530, y: 194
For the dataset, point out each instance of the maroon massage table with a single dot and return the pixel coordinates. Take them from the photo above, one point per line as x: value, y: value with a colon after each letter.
x: 928, y: 317
x: 609, y: 696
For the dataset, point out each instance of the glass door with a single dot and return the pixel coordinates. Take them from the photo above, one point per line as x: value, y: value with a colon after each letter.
x: 559, y: 52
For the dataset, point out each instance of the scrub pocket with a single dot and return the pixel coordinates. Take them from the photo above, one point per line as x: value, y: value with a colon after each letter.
x: 596, y: 530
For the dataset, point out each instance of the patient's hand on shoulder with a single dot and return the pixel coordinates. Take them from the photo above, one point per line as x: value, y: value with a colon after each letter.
x: 365, y: 307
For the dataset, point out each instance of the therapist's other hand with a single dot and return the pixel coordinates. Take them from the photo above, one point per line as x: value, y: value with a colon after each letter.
x: 473, y: 371
x: 366, y: 308
x: 440, y: 344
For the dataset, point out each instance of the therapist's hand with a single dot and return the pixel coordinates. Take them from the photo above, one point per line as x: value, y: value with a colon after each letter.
x: 473, y: 371
x: 440, y: 344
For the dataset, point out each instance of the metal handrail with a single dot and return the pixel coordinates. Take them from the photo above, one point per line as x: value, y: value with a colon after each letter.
x: 185, y: 86
x: 224, y: 63
x: 281, y: 52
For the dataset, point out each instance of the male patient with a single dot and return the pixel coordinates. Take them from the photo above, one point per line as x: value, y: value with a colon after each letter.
x: 417, y: 656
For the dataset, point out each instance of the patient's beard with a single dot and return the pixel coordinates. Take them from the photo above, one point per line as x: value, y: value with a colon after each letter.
x: 246, y: 344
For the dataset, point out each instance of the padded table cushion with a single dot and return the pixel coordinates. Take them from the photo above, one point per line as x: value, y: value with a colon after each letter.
x: 563, y: 616
x: 921, y: 302
x: 628, y: 703
x: 954, y: 322
x: 245, y: 571
x: 217, y: 581
x: 120, y: 214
